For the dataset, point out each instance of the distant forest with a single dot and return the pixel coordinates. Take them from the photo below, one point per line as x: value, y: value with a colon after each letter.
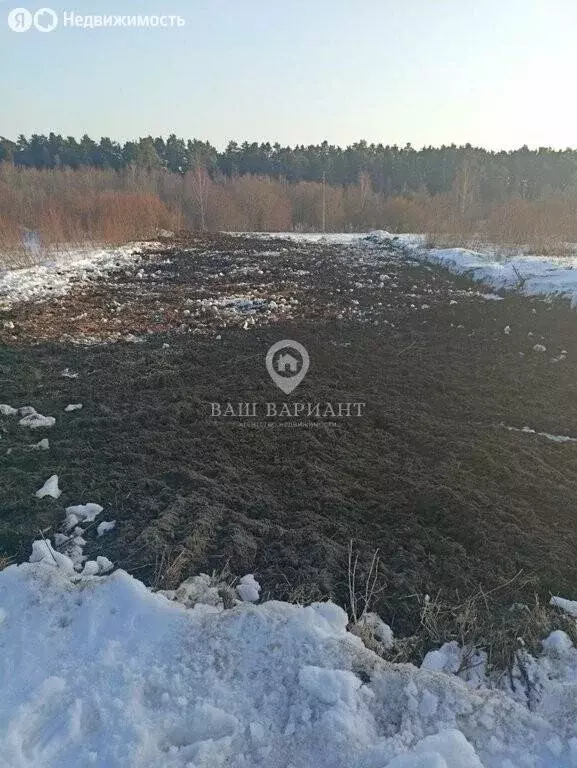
x: 69, y: 191
x: 489, y: 177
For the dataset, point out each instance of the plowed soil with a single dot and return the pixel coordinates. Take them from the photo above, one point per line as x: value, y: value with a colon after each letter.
x: 430, y: 475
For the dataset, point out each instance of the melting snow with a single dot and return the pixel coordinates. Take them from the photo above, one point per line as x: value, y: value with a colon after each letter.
x: 97, y: 670
x: 548, y: 435
x: 569, y: 606
x: 81, y: 513
x: 248, y: 589
x: 50, y: 488
x: 34, y: 420
x: 105, y: 526
x: 56, y: 275
x: 531, y: 275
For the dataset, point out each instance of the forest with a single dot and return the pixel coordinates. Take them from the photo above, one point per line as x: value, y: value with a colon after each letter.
x: 392, y: 170
x: 71, y: 191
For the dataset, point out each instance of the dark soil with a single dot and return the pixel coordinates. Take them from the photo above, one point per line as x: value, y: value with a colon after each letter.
x: 452, y: 500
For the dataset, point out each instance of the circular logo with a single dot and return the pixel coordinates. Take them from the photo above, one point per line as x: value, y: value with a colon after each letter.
x: 45, y: 20
x: 19, y: 20
x: 287, y: 362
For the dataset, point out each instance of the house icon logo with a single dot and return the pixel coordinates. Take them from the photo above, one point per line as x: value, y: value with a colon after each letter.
x: 287, y: 362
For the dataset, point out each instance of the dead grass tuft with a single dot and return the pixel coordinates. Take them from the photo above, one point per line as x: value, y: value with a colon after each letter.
x: 481, y: 622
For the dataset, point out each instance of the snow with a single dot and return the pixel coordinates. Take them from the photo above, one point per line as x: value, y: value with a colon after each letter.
x: 34, y: 420
x: 105, y: 526
x: 7, y: 410
x: 531, y: 275
x: 73, y: 407
x: 547, y: 435
x: 43, y: 552
x: 442, y: 750
x: 50, y: 488
x: 81, y: 513
x: 104, y: 564
x: 377, y: 627
x: 98, y: 670
x: 99, y: 566
x: 42, y: 445
x: 56, y: 275
x: 568, y: 606
x: 248, y: 589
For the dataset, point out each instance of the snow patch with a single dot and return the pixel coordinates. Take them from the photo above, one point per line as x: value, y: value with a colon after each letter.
x: 248, y: 589
x: 81, y: 513
x: 33, y: 420
x: 105, y: 526
x: 61, y: 270
x: 50, y: 488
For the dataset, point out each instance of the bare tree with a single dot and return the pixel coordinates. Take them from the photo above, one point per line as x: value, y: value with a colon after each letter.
x: 200, y: 183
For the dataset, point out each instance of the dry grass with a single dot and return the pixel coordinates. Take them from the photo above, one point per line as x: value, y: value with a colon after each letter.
x: 169, y: 568
x: 363, y: 588
x: 480, y: 622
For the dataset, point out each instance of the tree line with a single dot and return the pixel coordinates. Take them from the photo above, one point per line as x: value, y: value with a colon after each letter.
x: 470, y: 174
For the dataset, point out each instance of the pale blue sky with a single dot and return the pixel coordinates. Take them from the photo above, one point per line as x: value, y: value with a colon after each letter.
x: 496, y: 73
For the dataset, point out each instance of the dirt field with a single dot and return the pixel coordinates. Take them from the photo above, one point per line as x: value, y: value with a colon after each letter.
x: 452, y: 499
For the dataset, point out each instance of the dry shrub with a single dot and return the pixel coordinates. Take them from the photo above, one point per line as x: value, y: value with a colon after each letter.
x: 542, y: 225
x: 262, y: 204
x: 70, y: 206
x: 120, y: 216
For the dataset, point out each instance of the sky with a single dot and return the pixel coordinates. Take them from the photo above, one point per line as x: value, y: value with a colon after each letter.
x: 494, y: 73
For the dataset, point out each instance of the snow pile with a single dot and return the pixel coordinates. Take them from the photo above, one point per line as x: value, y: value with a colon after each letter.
x: 151, y: 682
x: 44, y: 552
x: 248, y: 589
x: 97, y: 670
x: 55, y: 276
x: 531, y: 275
x: 81, y: 513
